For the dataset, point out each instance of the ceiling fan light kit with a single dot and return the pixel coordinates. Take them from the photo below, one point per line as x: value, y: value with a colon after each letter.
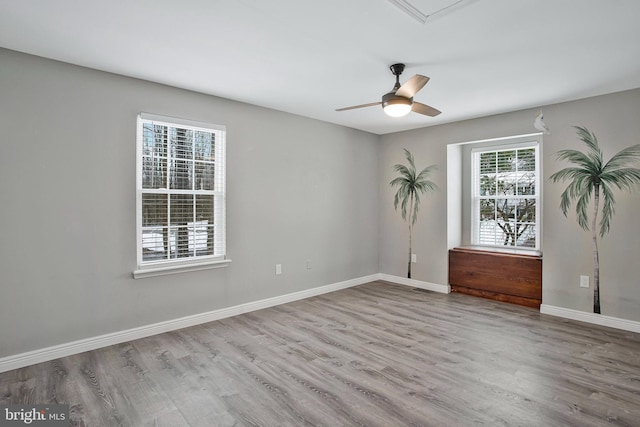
x: 396, y: 106
x: 399, y: 101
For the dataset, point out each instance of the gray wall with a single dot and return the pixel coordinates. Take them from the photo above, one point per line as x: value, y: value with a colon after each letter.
x: 298, y: 189
x: 567, y: 250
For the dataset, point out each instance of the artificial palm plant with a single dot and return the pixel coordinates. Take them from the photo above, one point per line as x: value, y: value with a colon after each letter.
x: 592, y: 176
x: 410, y: 186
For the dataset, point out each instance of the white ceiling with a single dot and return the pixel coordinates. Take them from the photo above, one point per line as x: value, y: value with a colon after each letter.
x: 311, y: 57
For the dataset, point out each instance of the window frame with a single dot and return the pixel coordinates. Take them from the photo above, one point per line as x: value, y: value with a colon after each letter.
x: 533, y: 141
x: 151, y: 268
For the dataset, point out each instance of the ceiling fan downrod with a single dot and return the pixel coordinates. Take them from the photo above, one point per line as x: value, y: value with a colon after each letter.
x: 396, y: 70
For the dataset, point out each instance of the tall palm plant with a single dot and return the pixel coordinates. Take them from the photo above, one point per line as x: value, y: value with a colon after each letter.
x: 592, y: 176
x: 410, y: 186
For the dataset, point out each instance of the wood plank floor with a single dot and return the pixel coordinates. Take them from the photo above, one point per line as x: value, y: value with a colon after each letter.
x: 373, y: 355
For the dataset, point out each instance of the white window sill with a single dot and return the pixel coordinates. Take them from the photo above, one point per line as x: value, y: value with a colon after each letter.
x: 504, y: 249
x: 178, y: 268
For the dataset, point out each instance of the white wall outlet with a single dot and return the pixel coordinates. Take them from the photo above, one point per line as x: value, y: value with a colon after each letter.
x: 308, y: 264
x: 584, y: 281
x: 278, y: 269
x: 414, y: 258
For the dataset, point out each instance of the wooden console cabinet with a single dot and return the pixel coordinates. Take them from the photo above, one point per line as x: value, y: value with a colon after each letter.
x: 507, y: 277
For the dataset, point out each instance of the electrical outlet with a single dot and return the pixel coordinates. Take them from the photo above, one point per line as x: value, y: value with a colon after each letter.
x: 584, y: 281
x: 308, y: 264
x: 278, y: 269
x: 414, y: 258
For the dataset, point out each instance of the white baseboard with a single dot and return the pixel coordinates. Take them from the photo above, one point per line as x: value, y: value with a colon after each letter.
x: 75, y: 347
x: 444, y: 289
x: 597, y: 319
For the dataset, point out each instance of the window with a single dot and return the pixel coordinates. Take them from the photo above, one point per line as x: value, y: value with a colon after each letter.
x: 506, y: 195
x: 180, y: 195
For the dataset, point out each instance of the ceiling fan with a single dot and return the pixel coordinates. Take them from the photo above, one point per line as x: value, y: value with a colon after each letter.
x: 399, y: 102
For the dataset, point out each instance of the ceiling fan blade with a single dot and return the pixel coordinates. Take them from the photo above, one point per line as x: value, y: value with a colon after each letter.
x: 427, y: 110
x: 359, y: 106
x: 412, y: 86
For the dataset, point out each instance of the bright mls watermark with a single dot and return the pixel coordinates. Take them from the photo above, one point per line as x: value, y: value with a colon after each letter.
x: 34, y: 415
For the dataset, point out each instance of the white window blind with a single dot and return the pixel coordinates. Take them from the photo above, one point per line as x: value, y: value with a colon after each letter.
x: 506, y: 199
x: 180, y: 191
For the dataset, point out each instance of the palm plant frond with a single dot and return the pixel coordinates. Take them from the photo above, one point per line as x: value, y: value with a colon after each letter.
x: 580, y: 185
x: 567, y: 173
x: 622, y: 178
x: 579, y: 158
x: 404, y: 171
x: 403, y: 205
x: 424, y: 173
x: 400, y: 197
x: 592, y: 143
x: 416, y: 208
x: 409, y: 157
x: 623, y: 158
x: 607, y: 209
x: 582, y: 204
